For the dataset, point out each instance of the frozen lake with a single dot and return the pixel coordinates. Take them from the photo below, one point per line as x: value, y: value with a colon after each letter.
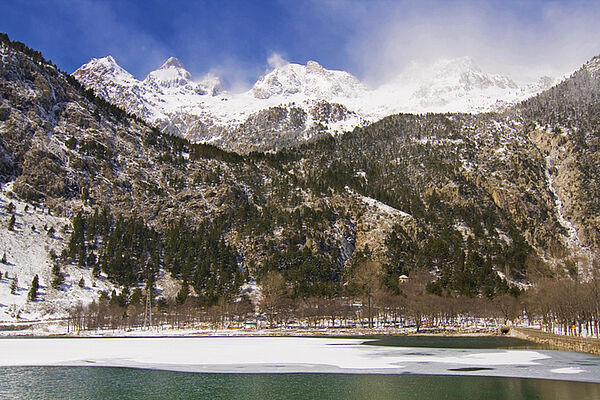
x: 260, y: 355
x: 93, y: 383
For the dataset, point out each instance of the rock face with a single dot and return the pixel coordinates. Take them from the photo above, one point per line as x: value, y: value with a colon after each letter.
x: 564, y: 122
x: 202, y: 111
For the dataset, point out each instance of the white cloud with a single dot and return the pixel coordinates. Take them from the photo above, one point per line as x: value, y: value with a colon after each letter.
x: 236, y: 75
x: 524, y: 39
x: 276, y: 60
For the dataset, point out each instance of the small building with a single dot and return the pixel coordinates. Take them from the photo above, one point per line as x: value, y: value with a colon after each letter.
x: 402, y: 278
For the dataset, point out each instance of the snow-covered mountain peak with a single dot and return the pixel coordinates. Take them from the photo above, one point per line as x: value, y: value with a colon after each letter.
x: 171, y: 74
x: 172, y: 62
x: 453, y: 85
x: 210, y: 84
x: 106, y: 61
x: 464, y: 73
x: 459, y: 65
x: 310, y: 80
x: 303, y: 99
x: 107, y: 69
x: 314, y: 67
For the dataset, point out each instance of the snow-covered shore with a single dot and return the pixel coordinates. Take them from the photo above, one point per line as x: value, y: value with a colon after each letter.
x: 60, y: 327
x: 293, y: 355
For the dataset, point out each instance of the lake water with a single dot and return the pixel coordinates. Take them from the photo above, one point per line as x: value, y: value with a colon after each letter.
x: 99, y: 383
x: 426, y: 380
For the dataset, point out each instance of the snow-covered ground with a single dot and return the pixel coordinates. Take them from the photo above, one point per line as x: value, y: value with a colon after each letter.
x: 28, y: 248
x: 285, y: 355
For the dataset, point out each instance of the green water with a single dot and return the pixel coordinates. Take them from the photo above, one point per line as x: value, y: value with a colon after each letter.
x: 457, y: 342
x: 94, y: 383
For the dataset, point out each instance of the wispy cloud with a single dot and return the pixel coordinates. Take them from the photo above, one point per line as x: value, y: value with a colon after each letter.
x: 372, y: 39
x: 276, y: 60
x: 526, y: 39
x: 237, y: 75
x: 102, y: 30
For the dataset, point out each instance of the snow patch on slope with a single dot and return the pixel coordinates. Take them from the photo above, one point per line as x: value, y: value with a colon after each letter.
x: 382, y: 207
x: 28, y: 247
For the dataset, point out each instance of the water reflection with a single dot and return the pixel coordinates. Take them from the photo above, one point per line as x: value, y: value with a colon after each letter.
x: 458, y: 342
x: 93, y: 383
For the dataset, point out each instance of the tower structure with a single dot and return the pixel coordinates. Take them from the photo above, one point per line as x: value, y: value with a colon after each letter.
x: 148, y: 310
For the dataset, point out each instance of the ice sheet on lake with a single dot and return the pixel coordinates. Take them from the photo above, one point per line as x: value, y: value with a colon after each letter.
x: 567, y: 370
x: 291, y: 354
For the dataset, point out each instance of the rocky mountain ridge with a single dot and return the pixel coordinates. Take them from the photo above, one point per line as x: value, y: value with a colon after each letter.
x: 203, y: 112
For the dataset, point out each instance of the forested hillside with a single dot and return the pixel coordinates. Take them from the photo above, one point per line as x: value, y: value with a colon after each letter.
x: 469, y: 199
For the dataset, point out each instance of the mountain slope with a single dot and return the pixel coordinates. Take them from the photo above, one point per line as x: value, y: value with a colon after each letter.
x: 470, y: 198
x: 31, y: 249
x: 564, y: 122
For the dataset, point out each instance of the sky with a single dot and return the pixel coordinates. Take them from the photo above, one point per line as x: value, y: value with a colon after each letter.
x: 239, y: 40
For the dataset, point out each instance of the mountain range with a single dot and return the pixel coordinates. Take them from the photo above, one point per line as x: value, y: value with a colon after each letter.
x: 294, y: 102
x: 486, y: 203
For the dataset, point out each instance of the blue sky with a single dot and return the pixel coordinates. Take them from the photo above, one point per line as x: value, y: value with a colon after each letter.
x: 373, y: 39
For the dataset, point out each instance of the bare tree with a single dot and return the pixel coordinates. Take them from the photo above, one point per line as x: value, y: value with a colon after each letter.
x: 274, y: 291
x: 365, y: 281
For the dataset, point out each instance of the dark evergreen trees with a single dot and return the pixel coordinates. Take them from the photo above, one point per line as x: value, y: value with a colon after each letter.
x: 183, y: 293
x: 57, y: 276
x: 33, y: 292
x: 14, y: 286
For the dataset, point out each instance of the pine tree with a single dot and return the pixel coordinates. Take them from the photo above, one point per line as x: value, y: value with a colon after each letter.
x: 11, y: 223
x: 14, y: 286
x: 81, y: 282
x: 33, y: 292
x: 51, y: 232
x: 136, y: 297
x: 0, y: 275
x: 3, y: 260
x: 58, y: 277
x: 183, y: 293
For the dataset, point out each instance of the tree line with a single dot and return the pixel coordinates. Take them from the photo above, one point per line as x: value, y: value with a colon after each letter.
x: 561, y: 306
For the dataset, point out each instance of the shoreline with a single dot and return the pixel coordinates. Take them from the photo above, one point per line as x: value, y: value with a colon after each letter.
x: 56, y: 329
x: 225, y: 334
x: 558, y: 342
